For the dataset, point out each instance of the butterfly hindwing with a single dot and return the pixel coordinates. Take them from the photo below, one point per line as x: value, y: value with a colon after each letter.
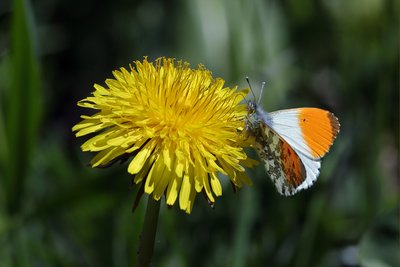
x: 282, y: 163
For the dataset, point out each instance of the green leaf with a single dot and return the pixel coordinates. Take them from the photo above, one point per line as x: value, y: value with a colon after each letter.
x: 22, y: 103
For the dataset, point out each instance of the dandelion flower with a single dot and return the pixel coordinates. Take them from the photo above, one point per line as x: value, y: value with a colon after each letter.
x: 178, y: 126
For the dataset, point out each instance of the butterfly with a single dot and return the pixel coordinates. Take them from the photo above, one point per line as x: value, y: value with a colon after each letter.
x: 291, y: 143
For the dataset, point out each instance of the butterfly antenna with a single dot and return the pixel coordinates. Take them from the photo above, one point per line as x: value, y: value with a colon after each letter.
x: 261, y: 92
x: 251, y: 89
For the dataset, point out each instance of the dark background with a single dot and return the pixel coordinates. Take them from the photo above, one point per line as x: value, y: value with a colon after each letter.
x: 339, y: 55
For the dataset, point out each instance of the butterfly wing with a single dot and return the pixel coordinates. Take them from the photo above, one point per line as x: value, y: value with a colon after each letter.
x: 310, y: 132
x: 281, y: 162
x: 291, y: 144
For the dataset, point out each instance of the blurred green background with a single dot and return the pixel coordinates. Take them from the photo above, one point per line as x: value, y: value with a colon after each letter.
x: 340, y: 55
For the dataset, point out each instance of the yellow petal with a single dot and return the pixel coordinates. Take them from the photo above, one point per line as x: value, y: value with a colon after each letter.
x: 145, y: 170
x: 138, y: 144
x: 162, y: 179
x: 173, y: 188
x: 207, y: 188
x: 149, y: 185
x: 216, y: 185
x: 185, y: 192
x: 105, y: 156
x: 167, y: 155
x: 215, y: 166
x: 91, y: 129
x: 179, y: 167
x: 124, y: 139
x: 199, y: 176
x: 101, y: 89
x: 141, y: 157
x: 192, y: 198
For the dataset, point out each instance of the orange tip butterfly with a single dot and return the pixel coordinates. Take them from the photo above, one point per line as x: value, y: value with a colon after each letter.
x: 291, y: 143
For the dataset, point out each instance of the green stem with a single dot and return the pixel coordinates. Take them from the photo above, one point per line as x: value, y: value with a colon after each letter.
x: 146, y: 242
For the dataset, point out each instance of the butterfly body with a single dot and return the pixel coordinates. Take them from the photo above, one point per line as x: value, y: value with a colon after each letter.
x: 291, y: 144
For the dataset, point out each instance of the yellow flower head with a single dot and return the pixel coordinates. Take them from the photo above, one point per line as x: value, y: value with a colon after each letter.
x: 179, y: 126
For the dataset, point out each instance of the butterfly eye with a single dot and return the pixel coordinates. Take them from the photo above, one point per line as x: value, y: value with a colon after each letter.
x: 251, y: 108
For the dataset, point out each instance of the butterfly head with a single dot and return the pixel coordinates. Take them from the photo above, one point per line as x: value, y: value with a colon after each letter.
x: 252, y: 118
x: 255, y: 115
x: 251, y: 108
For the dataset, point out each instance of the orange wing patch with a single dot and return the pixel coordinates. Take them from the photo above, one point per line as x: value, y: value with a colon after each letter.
x: 319, y: 128
x: 292, y: 166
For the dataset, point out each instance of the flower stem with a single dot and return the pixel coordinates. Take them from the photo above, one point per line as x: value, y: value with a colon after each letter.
x: 147, y: 238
